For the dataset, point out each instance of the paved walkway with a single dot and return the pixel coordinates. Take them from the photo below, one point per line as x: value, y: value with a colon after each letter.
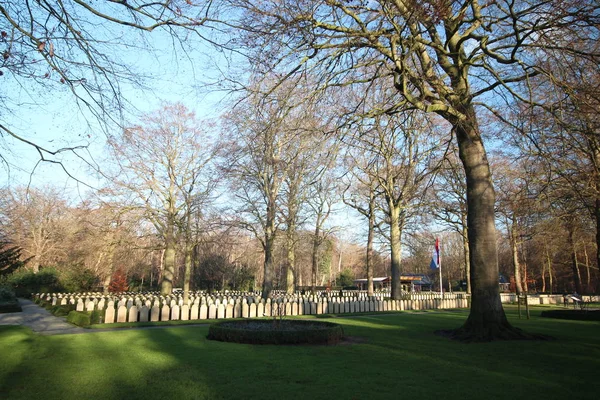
x: 43, y: 322
x: 39, y: 320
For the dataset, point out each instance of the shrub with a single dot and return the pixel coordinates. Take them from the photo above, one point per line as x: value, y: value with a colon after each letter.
x: 266, y: 332
x: 61, y: 311
x: 85, y: 318
x: 118, y: 282
x: 78, y: 279
x: 346, y: 278
x: 6, y: 294
x: 8, y: 301
x: 97, y: 316
x: 80, y: 318
x: 25, y: 282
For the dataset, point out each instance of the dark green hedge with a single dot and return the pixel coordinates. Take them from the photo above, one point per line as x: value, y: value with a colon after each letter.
x: 85, y: 318
x: 276, y: 332
x: 580, y: 315
x: 79, y: 318
x: 10, y: 307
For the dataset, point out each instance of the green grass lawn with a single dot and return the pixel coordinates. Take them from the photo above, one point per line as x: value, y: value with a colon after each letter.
x: 400, y: 359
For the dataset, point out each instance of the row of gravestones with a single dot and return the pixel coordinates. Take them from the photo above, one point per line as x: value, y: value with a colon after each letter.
x: 253, y: 310
x: 543, y: 298
x: 221, y: 296
x: 274, y: 294
x: 101, y: 304
x: 150, y: 299
x: 145, y: 312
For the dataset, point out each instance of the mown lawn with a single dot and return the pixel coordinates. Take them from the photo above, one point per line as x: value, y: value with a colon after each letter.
x: 400, y: 359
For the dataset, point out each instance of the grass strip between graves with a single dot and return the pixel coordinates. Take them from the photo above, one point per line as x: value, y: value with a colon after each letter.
x: 393, y: 355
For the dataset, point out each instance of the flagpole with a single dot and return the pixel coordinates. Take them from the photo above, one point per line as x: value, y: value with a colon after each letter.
x: 439, y: 260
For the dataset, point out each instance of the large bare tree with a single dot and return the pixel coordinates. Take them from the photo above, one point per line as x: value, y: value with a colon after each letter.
x: 163, y: 170
x: 37, y: 220
x: 449, y: 202
x: 442, y: 57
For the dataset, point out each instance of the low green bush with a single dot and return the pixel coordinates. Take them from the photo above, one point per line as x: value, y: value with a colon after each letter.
x: 7, y: 294
x: 61, y: 311
x: 10, y: 307
x: 97, y: 317
x: 276, y: 332
x: 85, y: 318
x: 8, y: 301
x: 79, y: 318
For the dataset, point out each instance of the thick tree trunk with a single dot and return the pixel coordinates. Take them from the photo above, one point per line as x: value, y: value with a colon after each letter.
x: 267, y: 285
x: 395, y: 250
x: 370, y: 235
x: 315, y: 260
x: 188, y: 274
x: 111, y: 269
x: 588, y: 277
x: 290, y: 270
x: 550, y: 277
x: 268, y: 265
x: 269, y: 245
x: 597, y: 214
x: 106, y: 283
x: 544, y: 263
x: 168, y: 275
x: 596, y: 161
x: 290, y: 237
x: 487, y: 320
x: 465, y: 237
x: 525, y: 277
x: 291, y: 254
x: 515, y: 257
x: 574, y: 262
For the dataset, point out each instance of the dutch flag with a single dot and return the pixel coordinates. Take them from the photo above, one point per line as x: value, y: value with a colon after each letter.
x: 435, y: 260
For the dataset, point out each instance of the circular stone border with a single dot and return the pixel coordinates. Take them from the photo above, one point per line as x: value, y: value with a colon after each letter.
x: 276, y: 332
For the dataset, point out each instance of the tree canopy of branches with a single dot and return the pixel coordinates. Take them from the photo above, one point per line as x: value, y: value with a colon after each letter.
x: 442, y: 57
x: 268, y: 144
x: 164, y: 166
x: 54, y: 49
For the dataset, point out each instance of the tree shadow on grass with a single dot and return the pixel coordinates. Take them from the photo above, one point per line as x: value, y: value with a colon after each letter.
x: 401, y: 356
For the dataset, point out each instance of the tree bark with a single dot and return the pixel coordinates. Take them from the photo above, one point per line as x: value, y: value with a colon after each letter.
x: 588, y: 276
x: 465, y: 237
x: 544, y: 272
x: 596, y: 161
x: 574, y: 262
x: 290, y: 270
x: 487, y: 320
x: 597, y: 214
x: 269, y: 244
x: 370, y: 235
x: 314, y: 259
x: 550, y: 277
x: 168, y: 275
x: 291, y: 258
x: 395, y: 249
x: 515, y: 257
x: 188, y: 274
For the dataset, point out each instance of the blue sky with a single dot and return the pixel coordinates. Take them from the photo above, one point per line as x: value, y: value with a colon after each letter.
x: 54, y: 120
